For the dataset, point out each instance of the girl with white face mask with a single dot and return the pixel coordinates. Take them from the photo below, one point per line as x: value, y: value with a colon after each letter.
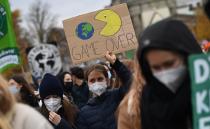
x: 52, y: 103
x: 57, y: 109
x: 98, y: 113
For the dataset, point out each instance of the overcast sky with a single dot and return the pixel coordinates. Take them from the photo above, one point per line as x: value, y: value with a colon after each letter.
x: 62, y: 8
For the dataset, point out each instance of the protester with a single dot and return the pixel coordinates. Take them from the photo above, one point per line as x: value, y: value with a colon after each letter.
x: 18, y: 116
x: 99, y: 111
x: 79, y: 91
x: 67, y: 84
x: 20, y: 87
x: 128, y: 113
x: 163, y: 57
x: 60, y: 112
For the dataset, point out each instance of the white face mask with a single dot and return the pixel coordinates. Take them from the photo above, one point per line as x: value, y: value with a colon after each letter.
x: 172, y: 78
x: 53, y: 104
x: 98, y: 88
x: 14, y: 89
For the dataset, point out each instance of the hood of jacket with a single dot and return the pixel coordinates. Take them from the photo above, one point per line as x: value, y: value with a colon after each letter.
x: 169, y: 34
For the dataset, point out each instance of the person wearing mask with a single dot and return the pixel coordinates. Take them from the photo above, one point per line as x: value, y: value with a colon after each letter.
x: 60, y: 112
x: 23, y: 91
x: 14, y: 115
x: 99, y: 112
x: 163, y: 58
x: 67, y: 84
x: 79, y: 91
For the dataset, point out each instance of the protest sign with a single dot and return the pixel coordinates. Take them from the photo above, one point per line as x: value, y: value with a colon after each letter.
x: 200, y: 81
x: 89, y: 36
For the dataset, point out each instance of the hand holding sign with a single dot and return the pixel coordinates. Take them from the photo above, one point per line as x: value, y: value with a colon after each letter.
x: 110, y: 57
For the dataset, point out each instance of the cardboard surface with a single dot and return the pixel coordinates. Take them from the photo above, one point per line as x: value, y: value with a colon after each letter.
x: 90, y: 35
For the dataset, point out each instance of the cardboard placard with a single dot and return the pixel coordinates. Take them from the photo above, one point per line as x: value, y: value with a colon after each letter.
x: 90, y: 35
x: 200, y: 81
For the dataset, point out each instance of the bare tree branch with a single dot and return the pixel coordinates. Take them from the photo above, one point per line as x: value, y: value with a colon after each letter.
x: 39, y: 21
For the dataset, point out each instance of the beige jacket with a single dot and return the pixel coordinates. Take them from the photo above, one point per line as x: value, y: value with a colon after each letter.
x: 25, y: 117
x: 129, y: 112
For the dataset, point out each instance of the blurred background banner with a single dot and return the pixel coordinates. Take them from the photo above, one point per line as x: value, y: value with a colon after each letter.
x: 9, y: 53
x: 44, y: 59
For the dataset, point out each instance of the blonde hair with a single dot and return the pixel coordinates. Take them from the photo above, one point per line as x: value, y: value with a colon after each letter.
x: 128, y: 113
x: 7, y: 102
x: 4, y: 124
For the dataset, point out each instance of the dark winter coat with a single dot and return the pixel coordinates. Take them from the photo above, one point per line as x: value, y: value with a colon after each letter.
x: 80, y: 94
x: 160, y: 108
x: 63, y: 124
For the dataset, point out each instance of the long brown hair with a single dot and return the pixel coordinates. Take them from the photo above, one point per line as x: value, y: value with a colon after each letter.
x: 26, y: 94
x: 70, y: 111
x: 128, y: 112
x: 22, y: 81
x: 130, y: 65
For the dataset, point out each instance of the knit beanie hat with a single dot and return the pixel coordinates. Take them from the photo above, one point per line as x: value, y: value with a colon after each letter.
x: 50, y: 85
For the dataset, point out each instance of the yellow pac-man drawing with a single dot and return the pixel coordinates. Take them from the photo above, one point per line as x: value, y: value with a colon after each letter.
x: 113, y: 22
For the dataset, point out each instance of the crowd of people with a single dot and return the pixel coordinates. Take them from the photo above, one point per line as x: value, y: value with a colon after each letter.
x: 153, y: 91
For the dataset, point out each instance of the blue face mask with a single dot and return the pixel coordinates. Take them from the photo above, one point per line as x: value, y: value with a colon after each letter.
x: 13, y: 89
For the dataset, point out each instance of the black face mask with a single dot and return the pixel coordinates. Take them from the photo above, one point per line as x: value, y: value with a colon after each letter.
x: 68, y: 85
